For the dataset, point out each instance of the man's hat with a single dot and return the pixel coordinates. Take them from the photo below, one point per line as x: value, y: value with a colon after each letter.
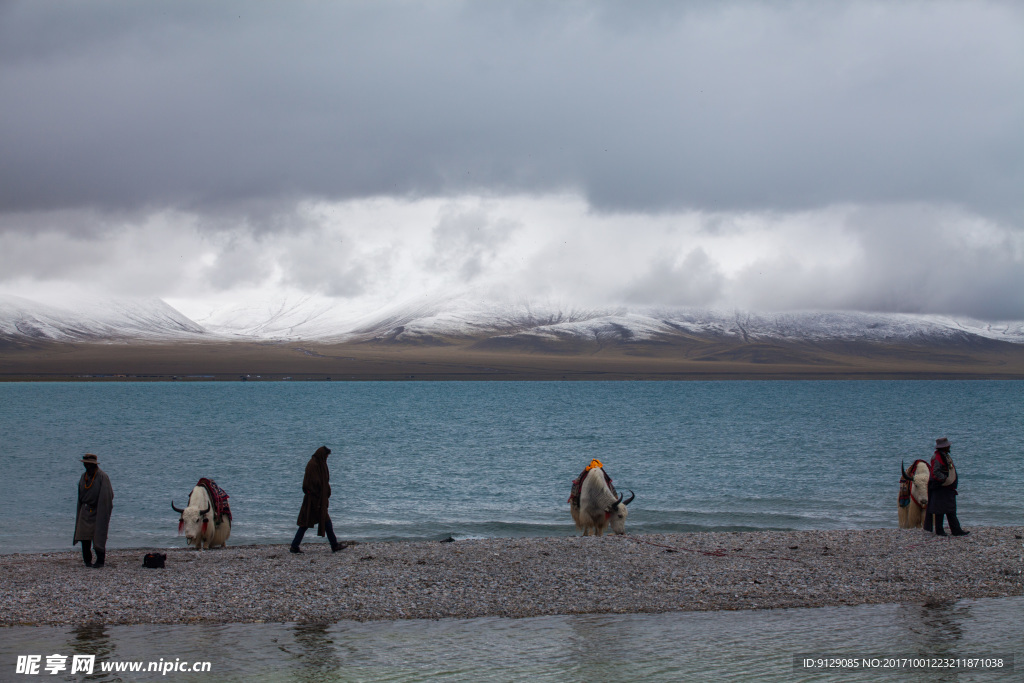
x: 90, y: 459
x: 942, y: 443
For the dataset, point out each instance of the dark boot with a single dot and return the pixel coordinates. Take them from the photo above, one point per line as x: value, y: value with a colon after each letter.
x: 87, y: 553
x: 298, y: 539
x: 954, y: 525
x: 938, y: 525
x: 331, y: 538
x: 100, y: 556
x: 927, y: 525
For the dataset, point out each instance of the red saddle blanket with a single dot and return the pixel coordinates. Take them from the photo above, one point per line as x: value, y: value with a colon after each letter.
x: 219, y: 496
x: 577, y: 484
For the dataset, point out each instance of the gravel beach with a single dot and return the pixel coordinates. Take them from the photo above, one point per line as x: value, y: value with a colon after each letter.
x: 514, y: 577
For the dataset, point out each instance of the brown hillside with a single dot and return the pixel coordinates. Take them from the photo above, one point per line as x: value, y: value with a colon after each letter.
x: 507, y: 358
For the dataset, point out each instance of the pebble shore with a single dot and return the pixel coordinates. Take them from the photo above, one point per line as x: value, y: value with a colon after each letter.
x: 514, y: 577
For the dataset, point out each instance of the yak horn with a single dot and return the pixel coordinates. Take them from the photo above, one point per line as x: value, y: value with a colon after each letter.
x: 904, y: 471
x: 175, y: 508
x: 204, y: 511
x: 630, y: 499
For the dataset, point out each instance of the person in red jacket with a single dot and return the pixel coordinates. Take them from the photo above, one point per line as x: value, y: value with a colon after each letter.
x: 942, y: 492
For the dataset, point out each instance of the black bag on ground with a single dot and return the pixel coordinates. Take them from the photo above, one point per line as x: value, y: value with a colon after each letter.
x: 154, y: 560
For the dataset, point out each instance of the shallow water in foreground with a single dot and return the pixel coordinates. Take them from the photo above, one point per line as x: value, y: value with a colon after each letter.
x: 742, y: 645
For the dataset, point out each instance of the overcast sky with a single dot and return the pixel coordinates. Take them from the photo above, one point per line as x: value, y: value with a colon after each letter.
x: 763, y: 155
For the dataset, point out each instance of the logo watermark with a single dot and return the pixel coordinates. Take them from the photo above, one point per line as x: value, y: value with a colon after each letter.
x: 41, y: 665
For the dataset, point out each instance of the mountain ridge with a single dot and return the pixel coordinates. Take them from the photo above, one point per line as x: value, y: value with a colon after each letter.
x: 90, y: 320
x: 490, y: 324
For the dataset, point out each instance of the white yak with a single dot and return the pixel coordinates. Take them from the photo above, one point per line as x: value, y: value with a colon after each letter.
x: 913, y: 494
x: 198, y: 522
x: 599, y: 507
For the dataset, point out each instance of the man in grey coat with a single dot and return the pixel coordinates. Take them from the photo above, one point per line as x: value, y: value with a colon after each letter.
x: 95, y: 503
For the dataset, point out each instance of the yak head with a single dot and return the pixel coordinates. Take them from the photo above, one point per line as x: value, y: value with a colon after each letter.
x: 194, y: 521
x: 617, y: 513
x: 918, y: 481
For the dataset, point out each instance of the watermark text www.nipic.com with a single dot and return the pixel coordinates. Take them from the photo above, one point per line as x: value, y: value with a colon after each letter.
x: 35, y: 665
x: 948, y: 663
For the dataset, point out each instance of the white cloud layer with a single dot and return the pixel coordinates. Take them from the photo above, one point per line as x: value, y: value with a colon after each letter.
x: 367, y: 253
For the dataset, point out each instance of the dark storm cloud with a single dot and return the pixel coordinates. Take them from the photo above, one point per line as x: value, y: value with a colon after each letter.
x: 640, y: 107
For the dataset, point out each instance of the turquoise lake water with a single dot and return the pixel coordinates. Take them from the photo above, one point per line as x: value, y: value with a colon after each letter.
x: 428, y: 460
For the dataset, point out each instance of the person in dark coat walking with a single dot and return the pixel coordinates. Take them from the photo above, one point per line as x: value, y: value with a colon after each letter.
x: 942, y: 492
x: 316, y: 487
x: 92, y: 517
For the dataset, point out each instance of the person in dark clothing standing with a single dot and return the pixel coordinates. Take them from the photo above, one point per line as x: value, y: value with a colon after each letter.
x: 942, y: 492
x: 95, y: 503
x: 316, y: 487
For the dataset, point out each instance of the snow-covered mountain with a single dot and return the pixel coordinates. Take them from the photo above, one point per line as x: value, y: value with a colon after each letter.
x: 95, y: 320
x: 457, y: 318
x: 473, y: 319
x: 297, y: 318
x: 442, y: 320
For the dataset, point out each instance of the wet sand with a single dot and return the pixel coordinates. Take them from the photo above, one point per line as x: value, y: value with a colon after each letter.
x: 520, y: 577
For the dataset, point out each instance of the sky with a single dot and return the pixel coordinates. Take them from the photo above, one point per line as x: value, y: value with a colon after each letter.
x: 767, y: 156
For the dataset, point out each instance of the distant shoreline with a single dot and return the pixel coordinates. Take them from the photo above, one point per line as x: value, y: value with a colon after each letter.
x: 29, y: 379
x: 514, y: 577
x: 247, y: 361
